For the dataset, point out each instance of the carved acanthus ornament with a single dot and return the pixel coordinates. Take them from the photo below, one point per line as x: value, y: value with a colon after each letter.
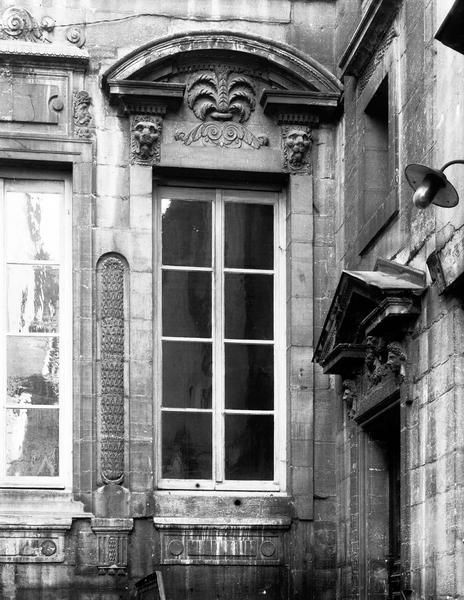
x: 18, y: 23
x: 296, y: 144
x: 223, y: 100
x: 145, y: 139
x: 82, y: 117
x: 112, y: 274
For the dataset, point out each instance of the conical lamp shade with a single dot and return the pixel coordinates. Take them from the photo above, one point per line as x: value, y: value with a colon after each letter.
x: 431, y: 185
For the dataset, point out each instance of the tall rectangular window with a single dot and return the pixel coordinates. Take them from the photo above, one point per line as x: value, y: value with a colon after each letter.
x: 34, y: 346
x: 379, y: 202
x: 220, y: 338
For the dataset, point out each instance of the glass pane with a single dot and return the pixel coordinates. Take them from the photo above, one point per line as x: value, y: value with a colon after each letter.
x: 32, y: 370
x: 32, y: 226
x: 187, y: 445
x: 249, y: 303
x: 32, y: 442
x: 33, y: 299
x: 186, y: 303
x: 186, y: 233
x: 249, y: 236
x: 187, y: 371
x: 249, y: 447
x: 249, y: 377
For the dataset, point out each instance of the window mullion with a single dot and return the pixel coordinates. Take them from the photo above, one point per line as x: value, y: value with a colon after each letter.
x: 218, y: 337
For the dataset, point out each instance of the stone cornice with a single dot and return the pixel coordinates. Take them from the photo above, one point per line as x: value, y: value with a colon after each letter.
x: 373, y: 26
x: 144, y: 96
x: 305, y: 103
x: 55, y: 53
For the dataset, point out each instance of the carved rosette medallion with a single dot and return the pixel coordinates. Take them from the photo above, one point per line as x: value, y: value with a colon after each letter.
x: 76, y: 36
x: 145, y: 139
x: 296, y: 149
x: 223, y: 100
x: 112, y: 274
x: 82, y: 118
x: 18, y: 23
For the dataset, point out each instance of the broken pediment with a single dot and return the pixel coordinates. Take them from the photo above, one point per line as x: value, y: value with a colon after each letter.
x: 381, y: 303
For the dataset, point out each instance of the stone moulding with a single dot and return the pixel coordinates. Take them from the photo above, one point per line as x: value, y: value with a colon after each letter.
x: 308, y: 71
x: 112, y: 274
x: 370, y: 31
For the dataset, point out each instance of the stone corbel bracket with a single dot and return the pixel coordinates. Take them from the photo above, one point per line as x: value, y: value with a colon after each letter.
x: 112, y: 544
x: 297, y: 113
x: 146, y: 103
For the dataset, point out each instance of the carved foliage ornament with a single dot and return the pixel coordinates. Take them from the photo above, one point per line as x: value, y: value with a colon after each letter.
x: 297, y: 142
x: 81, y: 114
x: 223, y: 99
x: 18, y: 23
x: 145, y: 139
x: 112, y: 369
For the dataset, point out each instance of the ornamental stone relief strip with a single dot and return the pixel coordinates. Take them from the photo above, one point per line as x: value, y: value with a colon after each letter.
x: 223, y: 100
x: 145, y: 139
x: 82, y: 118
x: 112, y: 325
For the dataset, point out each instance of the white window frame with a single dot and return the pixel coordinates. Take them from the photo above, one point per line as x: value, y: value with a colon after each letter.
x: 64, y: 480
x: 235, y: 193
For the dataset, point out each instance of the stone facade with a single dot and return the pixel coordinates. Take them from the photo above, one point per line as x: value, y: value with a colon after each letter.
x: 319, y: 104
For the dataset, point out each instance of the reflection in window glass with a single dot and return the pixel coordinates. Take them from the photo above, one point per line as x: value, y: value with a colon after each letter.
x: 249, y: 233
x: 249, y: 375
x: 33, y: 298
x: 186, y: 303
x: 249, y: 443
x: 186, y: 233
x: 187, y: 375
x: 32, y: 442
x: 32, y: 216
x: 32, y: 370
x: 32, y: 221
x: 187, y: 445
x: 249, y: 306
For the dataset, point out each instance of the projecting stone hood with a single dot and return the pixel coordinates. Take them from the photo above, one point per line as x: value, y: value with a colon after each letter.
x: 382, y: 303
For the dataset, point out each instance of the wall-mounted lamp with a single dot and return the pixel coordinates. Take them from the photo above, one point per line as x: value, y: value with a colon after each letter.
x: 431, y: 185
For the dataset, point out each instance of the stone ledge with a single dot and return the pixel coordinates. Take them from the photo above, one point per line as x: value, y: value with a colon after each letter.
x: 56, y: 53
x: 221, y: 523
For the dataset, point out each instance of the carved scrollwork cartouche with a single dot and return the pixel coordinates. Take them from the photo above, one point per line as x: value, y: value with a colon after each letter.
x: 224, y: 100
x: 18, y: 23
x: 297, y: 143
x: 112, y: 274
x: 82, y: 117
x: 145, y: 139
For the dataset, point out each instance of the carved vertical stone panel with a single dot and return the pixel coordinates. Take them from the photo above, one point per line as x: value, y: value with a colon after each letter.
x: 112, y: 273
x: 82, y: 118
x: 112, y: 544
